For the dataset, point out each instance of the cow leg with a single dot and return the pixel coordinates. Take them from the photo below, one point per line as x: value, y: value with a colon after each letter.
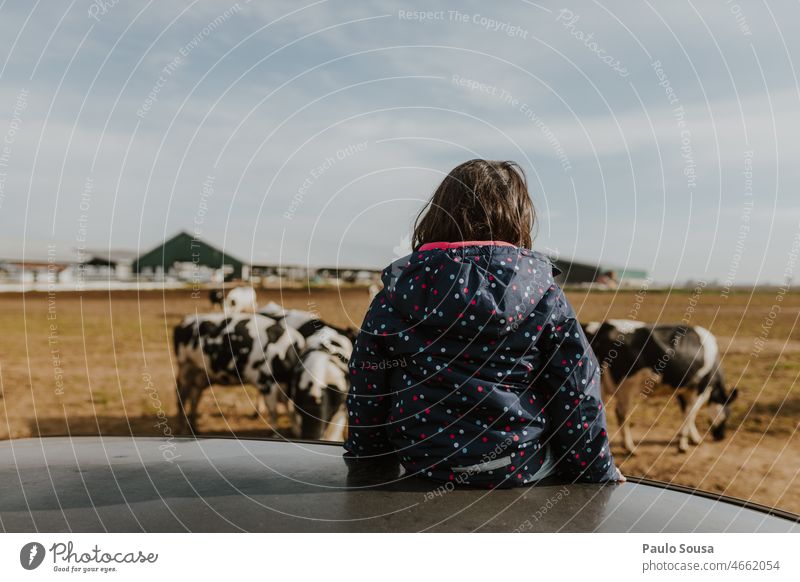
x: 694, y: 435
x: 682, y: 401
x: 640, y: 382
x: 687, y: 404
x: 607, y: 384
x: 621, y: 407
x: 695, y: 402
x: 270, y: 401
x: 281, y: 399
x: 188, y: 391
x: 182, y: 391
x: 620, y: 393
x: 199, y: 385
x: 337, y: 426
x: 267, y: 403
x: 261, y: 404
x: 627, y: 388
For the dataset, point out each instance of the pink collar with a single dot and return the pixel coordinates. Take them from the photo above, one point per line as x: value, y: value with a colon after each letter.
x: 436, y: 246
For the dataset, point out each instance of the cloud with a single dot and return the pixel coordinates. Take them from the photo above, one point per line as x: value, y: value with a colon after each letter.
x: 267, y: 97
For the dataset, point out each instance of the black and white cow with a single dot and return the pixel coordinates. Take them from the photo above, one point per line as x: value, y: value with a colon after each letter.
x: 306, y: 322
x: 321, y: 380
x: 234, y: 349
x: 635, y: 357
x: 241, y: 300
x: 320, y: 384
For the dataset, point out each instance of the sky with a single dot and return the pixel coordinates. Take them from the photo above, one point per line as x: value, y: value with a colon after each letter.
x: 655, y: 136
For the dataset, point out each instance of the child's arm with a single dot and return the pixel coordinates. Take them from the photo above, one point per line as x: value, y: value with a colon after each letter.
x: 369, y: 398
x: 578, y: 435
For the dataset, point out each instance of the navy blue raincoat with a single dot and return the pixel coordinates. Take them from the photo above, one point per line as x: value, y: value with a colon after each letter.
x: 472, y: 368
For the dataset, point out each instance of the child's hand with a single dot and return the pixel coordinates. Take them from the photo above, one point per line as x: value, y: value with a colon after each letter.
x: 620, y: 477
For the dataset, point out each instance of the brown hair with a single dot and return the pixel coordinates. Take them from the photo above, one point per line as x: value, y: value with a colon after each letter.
x: 478, y: 200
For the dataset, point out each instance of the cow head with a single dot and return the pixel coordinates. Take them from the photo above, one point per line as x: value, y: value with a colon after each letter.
x: 241, y: 300
x: 720, y: 403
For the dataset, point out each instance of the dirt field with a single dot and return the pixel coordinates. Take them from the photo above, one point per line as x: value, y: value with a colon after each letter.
x: 101, y: 364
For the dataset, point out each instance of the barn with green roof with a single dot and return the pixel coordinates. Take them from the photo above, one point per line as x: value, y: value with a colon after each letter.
x: 184, y: 252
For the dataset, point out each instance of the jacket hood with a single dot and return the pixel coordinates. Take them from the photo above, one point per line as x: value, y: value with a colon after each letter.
x: 482, y: 287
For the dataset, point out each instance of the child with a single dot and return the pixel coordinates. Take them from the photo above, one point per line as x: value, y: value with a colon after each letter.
x: 471, y: 366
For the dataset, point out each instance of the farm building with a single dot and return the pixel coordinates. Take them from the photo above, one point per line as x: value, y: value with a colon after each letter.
x: 578, y: 273
x: 27, y: 271
x: 106, y: 264
x: 280, y: 272
x: 186, y: 257
x: 316, y: 274
x: 349, y: 274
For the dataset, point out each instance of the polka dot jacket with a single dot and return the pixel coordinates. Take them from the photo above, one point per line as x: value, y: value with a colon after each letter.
x: 471, y: 366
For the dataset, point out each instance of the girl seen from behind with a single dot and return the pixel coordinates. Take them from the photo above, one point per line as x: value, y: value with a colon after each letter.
x: 496, y: 384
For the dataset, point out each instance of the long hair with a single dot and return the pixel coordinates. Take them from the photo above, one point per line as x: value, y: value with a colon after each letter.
x: 478, y: 200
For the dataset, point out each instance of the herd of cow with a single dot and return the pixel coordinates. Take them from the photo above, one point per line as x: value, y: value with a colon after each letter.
x: 300, y: 364
x: 296, y: 360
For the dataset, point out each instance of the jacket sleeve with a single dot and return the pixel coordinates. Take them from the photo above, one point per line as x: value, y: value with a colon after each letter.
x: 369, y: 398
x: 578, y: 436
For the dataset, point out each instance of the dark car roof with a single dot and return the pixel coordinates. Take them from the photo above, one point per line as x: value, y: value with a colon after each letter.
x: 127, y: 484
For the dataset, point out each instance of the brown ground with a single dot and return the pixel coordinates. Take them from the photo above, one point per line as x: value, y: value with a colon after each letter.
x: 114, y: 354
